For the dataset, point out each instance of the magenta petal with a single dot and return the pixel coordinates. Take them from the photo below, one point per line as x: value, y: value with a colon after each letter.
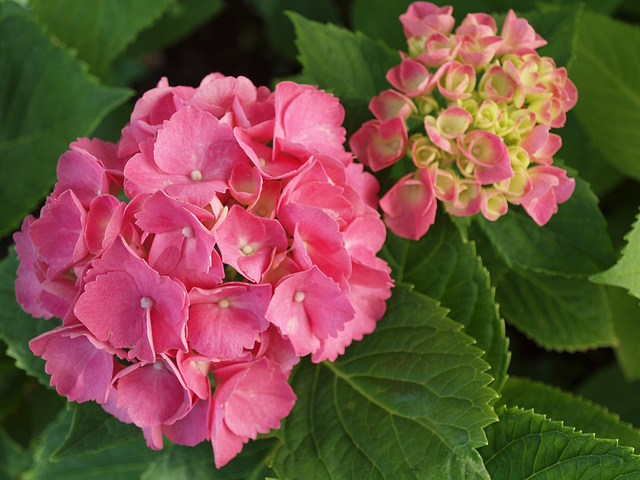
x: 308, y: 307
x: 226, y: 320
x: 248, y: 243
x: 153, y: 394
x: 80, y: 369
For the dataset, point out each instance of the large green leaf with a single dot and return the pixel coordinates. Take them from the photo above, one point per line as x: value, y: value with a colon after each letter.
x: 92, y: 431
x: 626, y: 272
x: 98, y: 30
x: 18, y: 327
x: 408, y: 401
x: 559, y: 313
x: 605, y: 71
x: 523, y: 444
x: 351, y: 65
x: 45, y: 103
x: 574, y: 242
x: 572, y: 410
x: 444, y: 267
x: 127, y: 461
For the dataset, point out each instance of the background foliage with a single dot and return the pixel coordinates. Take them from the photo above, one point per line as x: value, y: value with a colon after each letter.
x: 536, y: 327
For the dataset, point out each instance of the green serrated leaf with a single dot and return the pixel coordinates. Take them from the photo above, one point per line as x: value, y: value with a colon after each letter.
x: 92, y: 431
x: 18, y: 327
x: 99, y: 30
x: 572, y: 410
x: 523, y: 444
x: 444, y: 267
x: 126, y: 461
x: 606, y: 76
x: 626, y: 272
x: 558, y: 313
x: 408, y: 401
x: 574, y: 242
x: 351, y: 65
x: 45, y: 103
x: 196, y: 463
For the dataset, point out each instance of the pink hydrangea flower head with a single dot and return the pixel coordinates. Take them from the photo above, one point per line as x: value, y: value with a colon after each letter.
x: 248, y: 239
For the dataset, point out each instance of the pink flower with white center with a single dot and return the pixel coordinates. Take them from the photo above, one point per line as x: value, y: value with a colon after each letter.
x: 517, y: 33
x: 226, y: 321
x: 379, y: 144
x: 551, y: 186
x: 249, y: 243
x: 489, y: 152
x: 129, y: 305
x: 182, y: 246
x: 423, y: 19
x: 410, y: 205
x: 411, y: 77
x: 81, y: 366
x: 370, y: 286
x: 249, y: 398
x: 308, y: 307
x: 191, y: 160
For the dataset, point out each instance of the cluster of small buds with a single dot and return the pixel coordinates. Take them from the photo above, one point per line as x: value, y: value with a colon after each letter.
x: 248, y: 239
x: 473, y: 110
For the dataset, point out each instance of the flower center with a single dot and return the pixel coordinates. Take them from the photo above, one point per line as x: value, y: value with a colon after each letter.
x: 247, y: 249
x: 196, y: 175
x: 298, y: 296
x: 224, y: 303
x: 146, y: 302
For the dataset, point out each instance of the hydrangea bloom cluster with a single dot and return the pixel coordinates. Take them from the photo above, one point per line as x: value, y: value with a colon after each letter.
x: 474, y: 110
x: 248, y: 239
